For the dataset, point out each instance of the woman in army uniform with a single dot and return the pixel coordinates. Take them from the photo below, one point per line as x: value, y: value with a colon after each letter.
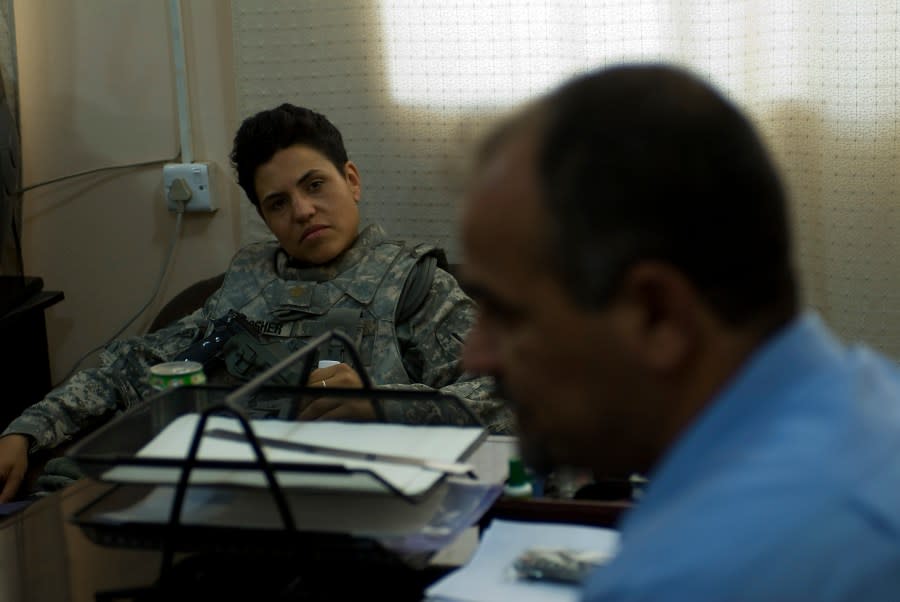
x: 407, y: 318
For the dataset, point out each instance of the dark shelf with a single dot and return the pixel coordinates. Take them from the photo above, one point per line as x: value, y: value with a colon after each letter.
x: 24, y: 357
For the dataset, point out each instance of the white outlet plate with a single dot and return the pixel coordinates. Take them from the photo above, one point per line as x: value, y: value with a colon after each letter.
x: 197, y: 176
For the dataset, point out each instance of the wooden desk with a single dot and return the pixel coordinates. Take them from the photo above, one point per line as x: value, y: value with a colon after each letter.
x: 44, y: 558
x: 24, y: 358
x: 596, y: 514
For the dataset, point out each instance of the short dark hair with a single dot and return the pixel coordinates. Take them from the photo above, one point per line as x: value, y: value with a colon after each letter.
x: 649, y: 162
x: 267, y: 132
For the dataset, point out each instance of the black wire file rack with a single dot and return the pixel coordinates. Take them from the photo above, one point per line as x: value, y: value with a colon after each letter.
x: 264, y: 505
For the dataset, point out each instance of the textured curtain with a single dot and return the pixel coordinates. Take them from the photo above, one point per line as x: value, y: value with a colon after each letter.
x: 412, y: 83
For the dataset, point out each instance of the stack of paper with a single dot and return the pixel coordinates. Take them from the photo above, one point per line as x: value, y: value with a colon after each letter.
x: 424, y: 442
x: 354, y: 503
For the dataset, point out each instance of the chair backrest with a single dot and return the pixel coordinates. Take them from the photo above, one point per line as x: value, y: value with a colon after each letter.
x: 187, y: 301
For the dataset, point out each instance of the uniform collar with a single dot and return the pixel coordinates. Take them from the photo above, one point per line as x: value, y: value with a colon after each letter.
x: 289, y: 269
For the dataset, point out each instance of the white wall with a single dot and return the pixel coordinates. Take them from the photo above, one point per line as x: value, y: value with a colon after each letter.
x: 410, y: 82
x: 97, y: 89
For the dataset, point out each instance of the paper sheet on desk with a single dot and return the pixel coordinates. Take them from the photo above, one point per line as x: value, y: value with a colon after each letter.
x: 439, y: 443
x: 487, y: 577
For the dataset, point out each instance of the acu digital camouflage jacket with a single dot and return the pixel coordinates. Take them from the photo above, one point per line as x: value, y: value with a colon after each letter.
x: 293, y: 303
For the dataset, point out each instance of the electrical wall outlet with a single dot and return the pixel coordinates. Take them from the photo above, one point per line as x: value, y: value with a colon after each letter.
x: 196, y: 177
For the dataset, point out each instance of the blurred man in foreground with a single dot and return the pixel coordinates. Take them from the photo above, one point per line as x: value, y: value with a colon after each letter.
x: 626, y: 238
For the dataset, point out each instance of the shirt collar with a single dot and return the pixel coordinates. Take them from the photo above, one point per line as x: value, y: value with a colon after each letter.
x: 290, y: 269
x: 782, y: 363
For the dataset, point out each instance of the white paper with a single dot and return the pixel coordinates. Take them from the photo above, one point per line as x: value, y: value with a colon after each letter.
x: 431, y: 442
x: 488, y: 577
x: 356, y: 514
x: 491, y: 460
x: 426, y: 526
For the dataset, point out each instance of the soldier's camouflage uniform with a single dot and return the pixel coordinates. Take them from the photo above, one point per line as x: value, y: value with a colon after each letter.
x: 288, y: 303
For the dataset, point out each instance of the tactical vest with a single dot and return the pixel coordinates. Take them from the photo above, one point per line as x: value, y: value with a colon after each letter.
x: 366, y: 301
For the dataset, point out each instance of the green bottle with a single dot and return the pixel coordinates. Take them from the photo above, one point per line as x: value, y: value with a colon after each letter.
x: 518, y: 484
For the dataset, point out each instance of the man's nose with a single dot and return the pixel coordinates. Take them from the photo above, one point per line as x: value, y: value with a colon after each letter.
x: 479, y: 354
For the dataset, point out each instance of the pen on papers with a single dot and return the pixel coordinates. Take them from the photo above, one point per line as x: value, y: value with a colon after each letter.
x: 453, y: 468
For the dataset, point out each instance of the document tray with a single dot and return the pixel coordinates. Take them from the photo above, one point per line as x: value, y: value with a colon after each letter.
x: 242, y: 500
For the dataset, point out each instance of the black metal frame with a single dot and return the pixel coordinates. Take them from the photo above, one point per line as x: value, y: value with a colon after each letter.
x: 172, y: 539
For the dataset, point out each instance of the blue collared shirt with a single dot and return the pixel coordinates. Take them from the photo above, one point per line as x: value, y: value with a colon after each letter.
x: 786, y: 487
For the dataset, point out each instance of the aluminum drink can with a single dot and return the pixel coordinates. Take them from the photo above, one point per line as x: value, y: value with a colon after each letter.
x: 176, y: 374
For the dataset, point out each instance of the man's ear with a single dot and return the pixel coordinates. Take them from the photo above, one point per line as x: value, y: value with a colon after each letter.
x: 664, y: 319
x: 351, y: 174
